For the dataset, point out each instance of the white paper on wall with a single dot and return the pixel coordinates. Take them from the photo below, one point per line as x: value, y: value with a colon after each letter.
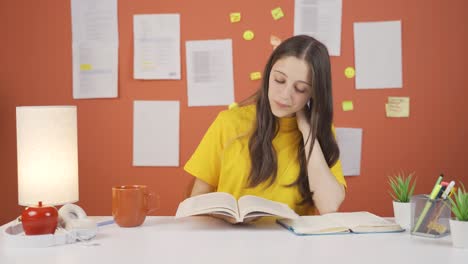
x: 320, y: 19
x: 95, y: 70
x: 156, y: 133
x: 156, y: 40
x: 95, y: 45
x: 377, y: 51
x: 210, y: 78
x: 350, y: 143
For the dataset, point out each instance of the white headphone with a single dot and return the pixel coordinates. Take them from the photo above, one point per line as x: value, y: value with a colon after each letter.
x: 68, y: 214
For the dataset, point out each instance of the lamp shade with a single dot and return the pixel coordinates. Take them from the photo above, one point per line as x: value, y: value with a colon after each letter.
x: 47, y: 148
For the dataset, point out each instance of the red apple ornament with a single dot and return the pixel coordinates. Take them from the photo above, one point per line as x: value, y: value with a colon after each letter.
x: 39, y: 220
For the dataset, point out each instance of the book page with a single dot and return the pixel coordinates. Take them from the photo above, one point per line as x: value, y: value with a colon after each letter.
x: 253, y: 206
x: 364, y: 222
x: 215, y: 202
x: 313, y: 224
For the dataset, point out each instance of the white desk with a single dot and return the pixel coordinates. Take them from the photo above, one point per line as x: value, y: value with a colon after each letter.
x: 207, y: 240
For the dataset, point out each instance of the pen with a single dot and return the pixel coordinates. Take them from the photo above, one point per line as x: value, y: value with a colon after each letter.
x: 437, y: 186
x: 448, y: 190
x: 433, y: 195
x: 103, y: 223
x: 442, y: 189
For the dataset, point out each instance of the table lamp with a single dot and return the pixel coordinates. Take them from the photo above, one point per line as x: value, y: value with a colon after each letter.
x: 47, y: 150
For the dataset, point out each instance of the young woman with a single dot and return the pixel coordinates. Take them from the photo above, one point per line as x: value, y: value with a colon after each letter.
x: 279, y: 143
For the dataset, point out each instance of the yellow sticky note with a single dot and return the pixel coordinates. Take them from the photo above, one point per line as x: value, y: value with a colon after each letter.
x: 86, y: 67
x: 233, y: 105
x: 248, y: 35
x: 255, y: 76
x: 347, y: 105
x: 274, y: 41
x: 277, y: 13
x: 235, y: 17
x: 397, y: 106
x: 349, y: 72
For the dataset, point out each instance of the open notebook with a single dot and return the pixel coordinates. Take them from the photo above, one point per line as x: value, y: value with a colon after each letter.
x: 338, y: 223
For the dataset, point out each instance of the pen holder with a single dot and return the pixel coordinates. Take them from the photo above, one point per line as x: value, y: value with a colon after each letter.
x: 430, y: 217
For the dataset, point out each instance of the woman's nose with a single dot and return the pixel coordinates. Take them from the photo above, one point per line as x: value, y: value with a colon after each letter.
x: 286, y: 92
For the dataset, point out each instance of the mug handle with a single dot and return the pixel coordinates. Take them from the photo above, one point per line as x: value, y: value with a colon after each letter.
x: 152, y: 196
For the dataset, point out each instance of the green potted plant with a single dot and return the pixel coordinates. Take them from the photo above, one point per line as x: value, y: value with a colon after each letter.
x: 459, y: 224
x: 402, y: 189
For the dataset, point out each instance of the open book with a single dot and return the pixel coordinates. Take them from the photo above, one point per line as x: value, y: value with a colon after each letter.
x: 335, y: 223
x: 225, y: 204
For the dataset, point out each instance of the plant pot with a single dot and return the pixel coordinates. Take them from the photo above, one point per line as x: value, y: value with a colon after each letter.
x: 402, y: 214
x: 459, y: 232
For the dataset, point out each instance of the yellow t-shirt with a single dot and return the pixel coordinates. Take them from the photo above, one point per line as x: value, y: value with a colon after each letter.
x: 222, y: 158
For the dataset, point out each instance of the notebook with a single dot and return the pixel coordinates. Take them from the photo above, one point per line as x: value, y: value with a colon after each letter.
x: 340, y: 223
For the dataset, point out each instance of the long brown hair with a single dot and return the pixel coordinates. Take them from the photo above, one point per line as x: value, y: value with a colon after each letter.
x: 263, y: 158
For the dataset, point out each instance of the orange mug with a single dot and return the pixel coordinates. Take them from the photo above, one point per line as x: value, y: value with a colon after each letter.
x: 130, y: 204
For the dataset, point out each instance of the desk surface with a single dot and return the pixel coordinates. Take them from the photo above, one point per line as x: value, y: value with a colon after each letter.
x: 207, y: 240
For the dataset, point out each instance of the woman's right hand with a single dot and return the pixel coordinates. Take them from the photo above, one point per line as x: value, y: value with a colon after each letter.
x: 302, y: 122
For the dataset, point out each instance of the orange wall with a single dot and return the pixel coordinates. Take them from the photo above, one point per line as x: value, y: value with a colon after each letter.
x: 36, y: 69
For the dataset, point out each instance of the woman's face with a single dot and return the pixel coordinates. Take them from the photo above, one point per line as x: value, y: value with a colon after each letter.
x: 290, y: 86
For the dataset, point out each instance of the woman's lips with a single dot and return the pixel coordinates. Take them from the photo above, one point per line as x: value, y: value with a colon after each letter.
x: 281, y: 105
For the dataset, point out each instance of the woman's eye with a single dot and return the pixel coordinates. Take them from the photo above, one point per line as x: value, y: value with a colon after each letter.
x: 279, y: 81
x: 299, y: 90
